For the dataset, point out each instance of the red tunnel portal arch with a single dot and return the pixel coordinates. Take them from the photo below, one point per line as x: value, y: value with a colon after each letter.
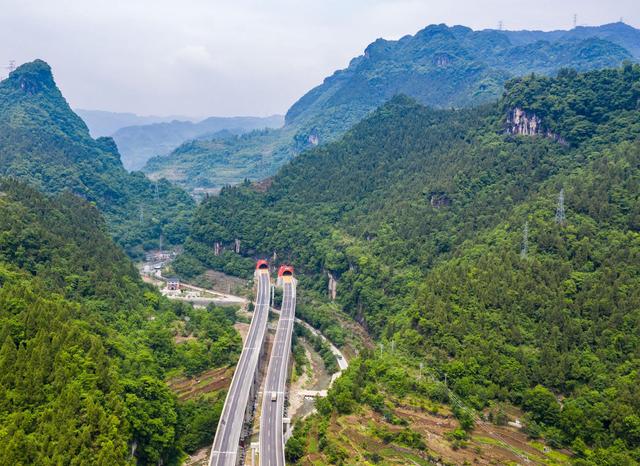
x: 285, y: 271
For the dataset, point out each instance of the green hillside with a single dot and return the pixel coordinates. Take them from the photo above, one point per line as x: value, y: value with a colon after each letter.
x: 420, y: 216
x: 85, y: 346
x: 44, y: 143
x: 139, y: 143
x: 439, y: 66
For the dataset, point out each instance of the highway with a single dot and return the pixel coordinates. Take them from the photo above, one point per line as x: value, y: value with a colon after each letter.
x: 226, y: 443
x: 271, y: 417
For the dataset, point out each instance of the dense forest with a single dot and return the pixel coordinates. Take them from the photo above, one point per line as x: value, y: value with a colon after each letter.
x: 85, y: 346
x: 509, y: 262
x: 439, y: 66
x: 43, y: 142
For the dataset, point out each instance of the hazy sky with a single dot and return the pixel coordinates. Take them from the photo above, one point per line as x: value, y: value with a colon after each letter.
x: 239, y: 57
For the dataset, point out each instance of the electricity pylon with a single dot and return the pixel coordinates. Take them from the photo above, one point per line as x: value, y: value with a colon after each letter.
x: 561, y: 218
x: 525, y: 241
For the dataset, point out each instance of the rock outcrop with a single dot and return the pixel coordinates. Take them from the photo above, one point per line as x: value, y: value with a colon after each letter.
x: 332, y: 286
x: 525, y: 123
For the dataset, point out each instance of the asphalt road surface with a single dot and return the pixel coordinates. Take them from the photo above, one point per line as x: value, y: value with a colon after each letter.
x: 226, y: 443
x: 271, y: 419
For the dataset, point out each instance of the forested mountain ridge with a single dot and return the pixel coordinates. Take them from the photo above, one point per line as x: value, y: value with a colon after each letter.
x: 105, y: 123
x: 43, y: 142
x: 619, y: 33
x: 85, y: 346
x: 439, y: 66
x: 137, y: 144
x: 420, y: 216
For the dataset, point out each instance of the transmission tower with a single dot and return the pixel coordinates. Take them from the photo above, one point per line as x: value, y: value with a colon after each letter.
x: 525, y: 241
x: 500, y: 25
x: 156, y: 193
x: 575, y: 21
x: 561, y: 218
x: 141, y: 214
x: 10, y: 67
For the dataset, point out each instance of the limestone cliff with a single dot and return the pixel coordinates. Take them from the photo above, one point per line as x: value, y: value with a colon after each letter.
x: 526, y: 123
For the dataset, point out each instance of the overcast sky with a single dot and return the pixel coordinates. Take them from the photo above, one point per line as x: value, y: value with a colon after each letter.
x: 239, y: 57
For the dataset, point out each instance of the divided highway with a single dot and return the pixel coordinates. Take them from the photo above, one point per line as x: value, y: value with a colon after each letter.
x: 271, y: 417
x: 226, y: 443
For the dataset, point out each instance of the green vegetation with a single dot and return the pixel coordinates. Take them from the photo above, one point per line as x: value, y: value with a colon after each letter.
x: 439, y: 66
x: 139, y: 143
x: 43, y: 142
x: 419, y: 214
x: 84, y: 345
x: 320, y: 346
x: 214, y: 163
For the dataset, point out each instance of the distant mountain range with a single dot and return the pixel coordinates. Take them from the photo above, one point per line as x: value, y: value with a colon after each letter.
x: 103, y: 123
x: 139, y: 143
x: 439, y: 66
x: 43, y: 142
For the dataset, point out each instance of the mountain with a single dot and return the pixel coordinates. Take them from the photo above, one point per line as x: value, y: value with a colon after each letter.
x: 103, y: 123
x: 139, y: 143
x: 495, y: 249
x: 85, y: 346
x: 439, y: 66
x: 44, y: 143
x: 619, y: 33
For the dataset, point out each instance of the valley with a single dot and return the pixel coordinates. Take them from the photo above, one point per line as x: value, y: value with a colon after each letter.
x: 432, y: 258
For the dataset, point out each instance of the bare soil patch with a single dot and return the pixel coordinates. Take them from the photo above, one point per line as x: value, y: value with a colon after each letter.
x: 209, y: 381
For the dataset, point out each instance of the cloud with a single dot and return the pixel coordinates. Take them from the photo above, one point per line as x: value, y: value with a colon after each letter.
x: 229, y: 57
x: 195, y: 56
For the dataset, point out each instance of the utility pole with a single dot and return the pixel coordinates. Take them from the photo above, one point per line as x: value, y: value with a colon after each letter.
x: 525, y: 241
x: 561, y: 218
x: 420, y: 373
x: 273, y: 294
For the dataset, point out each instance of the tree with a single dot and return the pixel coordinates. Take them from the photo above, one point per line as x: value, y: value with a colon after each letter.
x: 542, y: 404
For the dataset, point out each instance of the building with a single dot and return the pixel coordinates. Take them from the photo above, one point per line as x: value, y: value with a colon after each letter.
x: 173, y: 284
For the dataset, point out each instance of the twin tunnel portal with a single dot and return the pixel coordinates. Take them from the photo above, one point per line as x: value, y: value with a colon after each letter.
x: 237, y: 413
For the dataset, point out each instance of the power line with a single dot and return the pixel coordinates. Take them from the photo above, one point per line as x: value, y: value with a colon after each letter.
x: 433, y: 377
